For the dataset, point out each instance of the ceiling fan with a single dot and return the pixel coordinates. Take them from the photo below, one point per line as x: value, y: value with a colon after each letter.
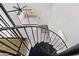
x: 19, y: 9
x: 23, y: 9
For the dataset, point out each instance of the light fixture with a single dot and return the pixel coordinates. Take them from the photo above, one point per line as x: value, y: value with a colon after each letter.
x: 23, y: 14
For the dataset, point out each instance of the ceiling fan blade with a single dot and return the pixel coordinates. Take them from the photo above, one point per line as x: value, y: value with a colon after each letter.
x: 18, y: 6
x: 24, y: 7
x: 15, y: 7
x: 12, y: 10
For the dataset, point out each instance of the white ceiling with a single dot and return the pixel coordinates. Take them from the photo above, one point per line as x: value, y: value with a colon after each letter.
x: 42, y: 10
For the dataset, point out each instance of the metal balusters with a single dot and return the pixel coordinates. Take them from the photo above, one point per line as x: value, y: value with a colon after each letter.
x: 28, y: 37
x: 7, y: 25
x: 2, y: 7
x: 4, y: 21
x: 54, y: 39
x: 33, y: 35
x: 23, y: 42
x: 60, y: 48
x: 13, y: 43
x: 10, y: 33
x: 17, y: 34
x: 44, y: 35
x: 26, y: 46
x: 19, y: 47
x: 22, y: 38
x: 37, y: 35
x: 4, y: 34
x: 59, y: 44
x: 7, y: 31
x: 41, y: 34
x: 50, y: 37
x: 64, y: 43
x: 4, y: 10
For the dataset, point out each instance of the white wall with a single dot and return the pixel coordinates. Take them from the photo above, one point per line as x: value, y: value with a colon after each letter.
x: 66, y: 16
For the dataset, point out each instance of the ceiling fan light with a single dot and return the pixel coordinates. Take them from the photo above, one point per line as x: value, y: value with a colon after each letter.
x: 23, y: 17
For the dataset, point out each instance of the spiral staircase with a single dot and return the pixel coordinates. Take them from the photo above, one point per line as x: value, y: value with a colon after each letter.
x: 32, y: 40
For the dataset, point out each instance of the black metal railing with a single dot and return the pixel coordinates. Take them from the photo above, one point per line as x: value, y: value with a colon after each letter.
x: 27, y: 36
x: 32, y: 38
